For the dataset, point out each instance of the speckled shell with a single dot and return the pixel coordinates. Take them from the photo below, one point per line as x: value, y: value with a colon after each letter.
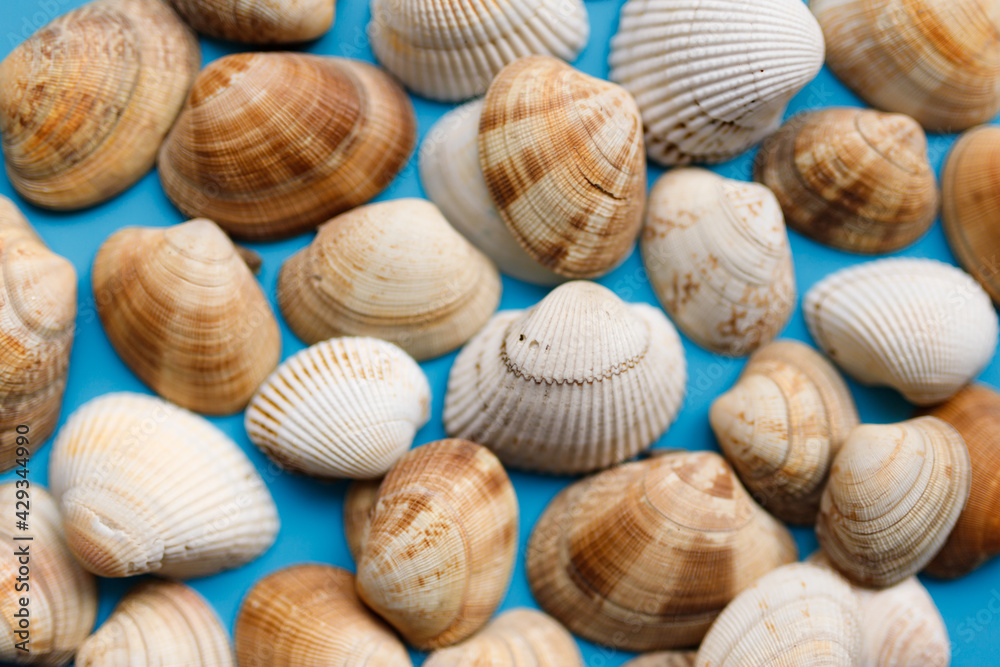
x: 664, y: 659
x: 270, y: 145
x: 713, y: 77
x: 644, y: 556
x: 259, y: 21
x: 125, y: 468
x: 578, y: 382
x: 920, y: 326
x: 86, y: 100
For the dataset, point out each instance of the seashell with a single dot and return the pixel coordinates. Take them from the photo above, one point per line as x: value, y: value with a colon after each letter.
x: 894, y: 494
x: 712, y: 78
x: 853, y: 179
x: 259, y: 21
x: 358, y: 505
x: 664, y: 659
x: 920, y: 326
x: 309, y: 616
x: 184, y: 312
x: 162, y: 624
x: 63, y: 596
x: 717, y: 254
x: 37, y: 319
x: 125, y: 468
x: 450, y: 50
x: 393, y: 270
x: 346, y: 407
x: 270, y: 145
x: 935, y: 60
x: 563, y: 159
x: 631, y: 557
x: 453, y: 497
x: 578, y: 382
x: 87, y: 99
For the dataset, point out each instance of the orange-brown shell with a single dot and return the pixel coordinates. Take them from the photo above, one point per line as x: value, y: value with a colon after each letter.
x: 259, y: 21
x: 516, y: 638
x: 664, y: 659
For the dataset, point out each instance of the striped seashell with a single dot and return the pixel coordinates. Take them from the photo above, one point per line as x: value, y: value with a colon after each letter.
x: 259, y: 21
x: 516, y: 638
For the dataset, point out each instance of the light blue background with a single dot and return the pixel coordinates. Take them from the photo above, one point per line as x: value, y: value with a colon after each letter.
x: 311, y: 510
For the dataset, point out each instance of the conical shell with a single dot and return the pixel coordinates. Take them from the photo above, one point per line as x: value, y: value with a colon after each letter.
x: 186, y: 314
x: 259, y: 21
x: 86, y: 100
x: 309, y: 616
x: 854, y: 179
x: 664, y: 659
x: 563, y: 159
x: 717, y: 254
x: 920, y: 326
x: 713, y: 77
x: 441, y: 545
x: 146, y: 486
x: 270, y: 145
x: 578, y: 382
x: 394, y: 270
x: 359, y: 502
x: 644, y: 556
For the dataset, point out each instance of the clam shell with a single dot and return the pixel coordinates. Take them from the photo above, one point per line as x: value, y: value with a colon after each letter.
x: 664, y: 659
x: 87, y: 99
x: 146, y: 486
x: 717, y: 254
x: 259, y: 21
x: 578, y: 382
x: 359, y: 502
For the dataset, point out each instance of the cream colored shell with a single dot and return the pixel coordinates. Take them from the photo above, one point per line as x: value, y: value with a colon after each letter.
x: 516, y: 638
x: 259, y: 21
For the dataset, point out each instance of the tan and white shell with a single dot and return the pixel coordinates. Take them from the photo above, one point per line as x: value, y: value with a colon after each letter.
x: 664, y: 659
x: 259, y: 21
x: 359, y: 501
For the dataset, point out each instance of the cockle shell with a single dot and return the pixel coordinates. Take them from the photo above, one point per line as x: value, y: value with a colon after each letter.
x: 259, y: 21
x: 578, y: 382
x: 441, y: 544
x: 854, y: 179
x: 717, y: 254
x: 920, y: 326
x: 713, y: 78
x: 270, y: 145
x: 664, y: 659
x: 310, y: 616
x: 186, y: 314
x: 146, y: 486
x: 86, y: 100
x: 631, y: 557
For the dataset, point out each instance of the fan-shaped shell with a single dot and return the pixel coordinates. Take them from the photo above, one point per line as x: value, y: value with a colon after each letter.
x: 920, y: 326
x: 259, y: 21
x: 578, y: 382
x: 664, y: 659
x: 186, y: 314
x: 146, y: 486
x: 270, y: 145
x: 86, y: 100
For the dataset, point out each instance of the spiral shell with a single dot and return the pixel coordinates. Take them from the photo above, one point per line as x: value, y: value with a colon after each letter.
x: 259, y: 21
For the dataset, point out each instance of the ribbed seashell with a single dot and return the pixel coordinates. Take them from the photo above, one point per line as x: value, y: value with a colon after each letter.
x: 450, y: 50
x: 86, y: 100
x: 717, y: 254
x: 454, y: 499
x: 359, y: 501
x: 310, y: 616
x: 346, y: 407
x: 920, y: 326
x: 185, y: 313
x: 854, y: 179
x: 664, y: 659
x: 895, y: 492
x: 631, y: 557
x: 159, y: 624
x: 393, y: 270
x: 579, y: 382
x: 712, y: 78
x: 62, y: 596
x: 563, y: 158
x: 270, y: 145
x: 37, y: 322
x: 935, y: 60
x: 259, y: 21
x: 146, y: 486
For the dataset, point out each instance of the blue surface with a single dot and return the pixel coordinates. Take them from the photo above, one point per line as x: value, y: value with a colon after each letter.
x: 311, y: 510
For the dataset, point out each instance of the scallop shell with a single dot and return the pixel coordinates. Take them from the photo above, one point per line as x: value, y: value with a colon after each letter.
x: 259, y: 21
x: 454, y: 498
x: 270, y: 145
x: 578, y: 382
x: 125, y: 468
x: 713, y: 77
x: 920, y: 326
x: 644, y: 556
x: 86, y: 100
x: 717, y: 254
x: 393, y: 270
x: 563, y: 159
x: 359, y: 502
x: 186, y: 314
x: 853, y: 179
x: 664, y: 659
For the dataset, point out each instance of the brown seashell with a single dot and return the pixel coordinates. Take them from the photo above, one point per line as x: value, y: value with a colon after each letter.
x: 664, y: 659
x: 259, y: 21
x: 358, y: 505
x: 515, y: 638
